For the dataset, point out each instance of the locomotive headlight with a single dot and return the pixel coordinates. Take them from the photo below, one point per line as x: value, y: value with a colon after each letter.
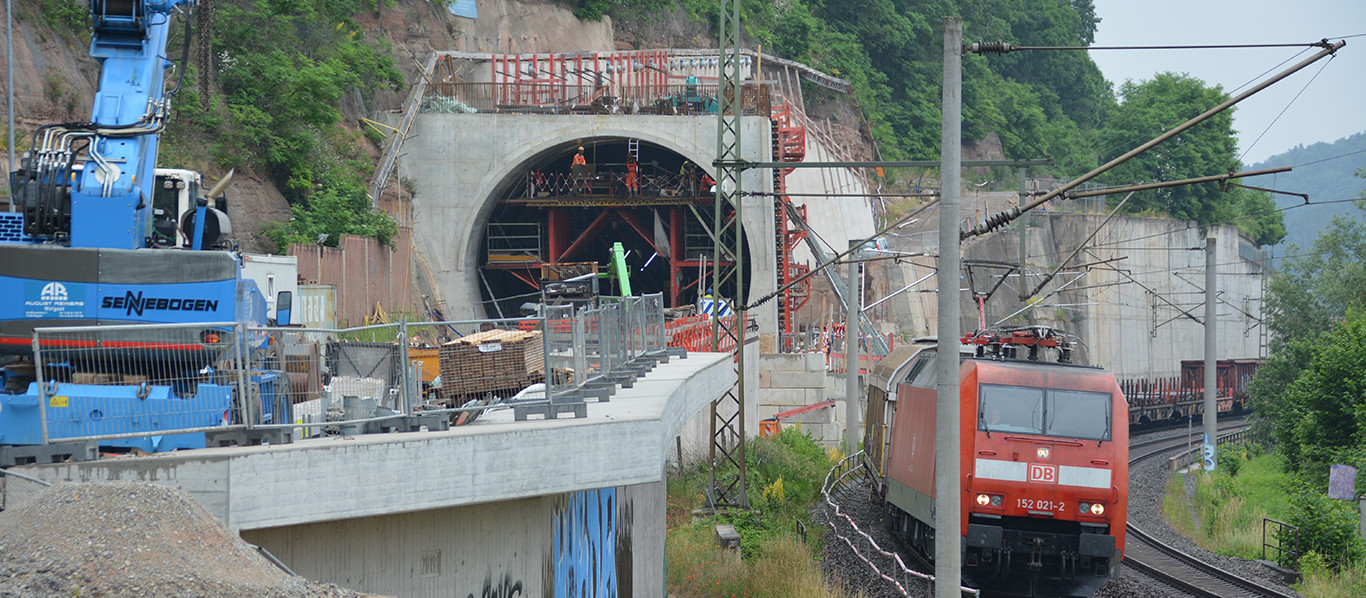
x: 985, y: 499
x: 1043, y: 452
x: 1097, y: 509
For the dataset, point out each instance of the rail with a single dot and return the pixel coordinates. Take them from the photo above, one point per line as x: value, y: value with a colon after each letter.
x: 1281, y: 536
x: 1151, y: 556
x: 898, y: 574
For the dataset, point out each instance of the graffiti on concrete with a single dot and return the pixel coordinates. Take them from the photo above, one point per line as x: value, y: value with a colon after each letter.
x: 585, y: 544
x: 625, y: 566
x: 496, y: 588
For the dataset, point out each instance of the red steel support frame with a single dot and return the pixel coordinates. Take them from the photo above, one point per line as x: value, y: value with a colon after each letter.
x: 558, y: 233
x: 676, y: 256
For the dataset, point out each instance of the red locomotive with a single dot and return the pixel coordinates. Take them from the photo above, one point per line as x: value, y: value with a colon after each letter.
x: 1045, y: 460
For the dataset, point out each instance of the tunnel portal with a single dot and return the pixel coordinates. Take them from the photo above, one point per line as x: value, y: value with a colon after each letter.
x: 556, y: 217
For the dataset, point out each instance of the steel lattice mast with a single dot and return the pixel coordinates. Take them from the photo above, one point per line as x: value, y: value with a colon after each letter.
x: 727, y: 487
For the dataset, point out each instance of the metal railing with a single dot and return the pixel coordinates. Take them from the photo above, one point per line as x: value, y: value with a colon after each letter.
x: 1287, y: 538
x: 163, y: 387
x: 860, y: 543
x: 571, y: 98
x: 1189, y: 457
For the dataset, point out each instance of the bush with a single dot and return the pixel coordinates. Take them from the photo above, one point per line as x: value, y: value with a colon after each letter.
x: 339, y: 208
x: 1327, y: 527
x: 66, y: 15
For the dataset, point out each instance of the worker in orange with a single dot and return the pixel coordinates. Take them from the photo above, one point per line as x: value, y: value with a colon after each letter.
x: 708, y: 183
x: 632, y: 187
x: 579, y: 159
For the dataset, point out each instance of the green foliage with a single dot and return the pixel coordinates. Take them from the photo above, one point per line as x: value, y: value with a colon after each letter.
x: 1312, y: 397
x: 1326, y: 527
x: 1322, y: 581
x: 66, y: 15
x: 1231, y: 457
x: 1318, y: 174
x: 1223, y: 512
x: 785, y: 473
x: 285, y: 67
x: 282, y: 67
x: 1315, y: 288
x: 339, y: 207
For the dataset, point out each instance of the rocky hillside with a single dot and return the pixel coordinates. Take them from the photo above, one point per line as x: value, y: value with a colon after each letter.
x: 55, y: 79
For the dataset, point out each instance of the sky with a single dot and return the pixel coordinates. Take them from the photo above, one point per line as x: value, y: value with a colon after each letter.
x: 1330, y: 107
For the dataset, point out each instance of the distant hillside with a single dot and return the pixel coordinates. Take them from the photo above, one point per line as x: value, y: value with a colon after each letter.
x: 1333, y: 178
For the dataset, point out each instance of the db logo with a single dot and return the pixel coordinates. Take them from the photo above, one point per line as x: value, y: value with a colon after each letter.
x: 1044, y: 474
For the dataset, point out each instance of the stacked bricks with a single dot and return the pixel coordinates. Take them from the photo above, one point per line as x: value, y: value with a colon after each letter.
x: 498, y: 361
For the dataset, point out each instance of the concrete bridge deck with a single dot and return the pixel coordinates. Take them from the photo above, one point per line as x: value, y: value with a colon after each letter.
x: 377, y: 513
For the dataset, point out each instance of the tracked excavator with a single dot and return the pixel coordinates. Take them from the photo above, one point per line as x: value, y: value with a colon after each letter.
x: 98, y: 239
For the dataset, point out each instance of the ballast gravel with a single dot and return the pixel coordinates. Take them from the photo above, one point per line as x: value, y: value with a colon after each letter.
x: 1147, y: 483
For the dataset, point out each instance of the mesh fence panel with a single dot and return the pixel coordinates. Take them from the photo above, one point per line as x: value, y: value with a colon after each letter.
x: 161, y: 387
x: 139, y: 383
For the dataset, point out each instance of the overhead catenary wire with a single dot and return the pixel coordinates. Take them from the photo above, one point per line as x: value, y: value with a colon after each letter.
x: 1001, y: 218
x: 1287, y: 107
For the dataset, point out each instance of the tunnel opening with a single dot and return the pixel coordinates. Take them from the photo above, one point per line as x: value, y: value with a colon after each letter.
x: 557, y: 216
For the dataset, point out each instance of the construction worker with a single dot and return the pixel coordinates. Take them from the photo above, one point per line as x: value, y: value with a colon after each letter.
x: 632, y: 186
x: 687, y: 178
x: 583, y: 176
x: 708, y: 183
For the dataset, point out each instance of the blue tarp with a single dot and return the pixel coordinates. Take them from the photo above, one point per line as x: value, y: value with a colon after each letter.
x: 463, y: 8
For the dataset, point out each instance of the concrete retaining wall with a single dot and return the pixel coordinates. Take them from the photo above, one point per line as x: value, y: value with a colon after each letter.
x: 606, y: 542
x: 792, y: 380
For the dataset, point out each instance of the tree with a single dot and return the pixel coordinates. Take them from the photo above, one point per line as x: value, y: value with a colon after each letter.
x: 1150, y: 108
x: 338, y: 208
x: 1310, y: 397
x: 1318, y: 286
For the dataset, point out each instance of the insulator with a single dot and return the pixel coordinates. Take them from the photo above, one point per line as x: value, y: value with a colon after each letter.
x: 997, y: 47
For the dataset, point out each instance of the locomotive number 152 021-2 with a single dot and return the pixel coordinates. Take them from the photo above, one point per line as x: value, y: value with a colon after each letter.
x: 1032, y: 504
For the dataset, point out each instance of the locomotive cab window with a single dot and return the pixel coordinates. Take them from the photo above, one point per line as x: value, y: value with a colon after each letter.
x: 1044, y: 412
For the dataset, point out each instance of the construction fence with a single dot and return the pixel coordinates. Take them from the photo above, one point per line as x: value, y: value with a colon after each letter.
x: 163, y: 387
x: 371, y: 278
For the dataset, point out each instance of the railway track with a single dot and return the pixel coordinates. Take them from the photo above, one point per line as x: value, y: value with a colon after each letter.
x: 1145, y: 553
x: 1155, y: 560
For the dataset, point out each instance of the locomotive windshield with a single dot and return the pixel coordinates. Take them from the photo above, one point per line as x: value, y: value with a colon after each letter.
x: 1044, y: 411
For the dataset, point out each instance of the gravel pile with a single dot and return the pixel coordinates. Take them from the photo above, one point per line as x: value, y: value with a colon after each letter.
x: 1147, y: 483
x: 134, y: 539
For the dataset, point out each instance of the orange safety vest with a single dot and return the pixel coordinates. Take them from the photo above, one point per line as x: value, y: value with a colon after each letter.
x: 578, y: 159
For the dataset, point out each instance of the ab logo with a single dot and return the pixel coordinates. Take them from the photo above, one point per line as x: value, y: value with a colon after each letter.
x: 1044, y: 474
x: 53, y: 291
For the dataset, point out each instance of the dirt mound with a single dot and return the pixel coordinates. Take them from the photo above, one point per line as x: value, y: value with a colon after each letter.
x: 133, y: 539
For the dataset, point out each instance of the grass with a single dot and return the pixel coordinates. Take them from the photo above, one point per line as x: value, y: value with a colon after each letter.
x: 784, y: 480
x: 1224, y: 514
x: 1320, y: 581
x: 1226, y: 511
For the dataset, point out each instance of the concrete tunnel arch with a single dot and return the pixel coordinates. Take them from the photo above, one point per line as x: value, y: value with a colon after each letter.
x: 586, y: 221
x: 463, y: 164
